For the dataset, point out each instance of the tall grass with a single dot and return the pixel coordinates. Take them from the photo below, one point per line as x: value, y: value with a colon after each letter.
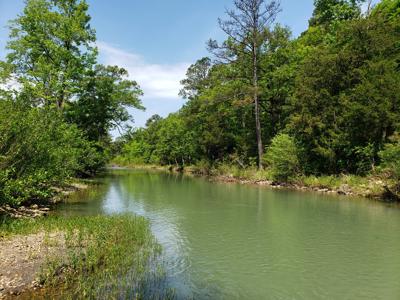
x: 109, y: 257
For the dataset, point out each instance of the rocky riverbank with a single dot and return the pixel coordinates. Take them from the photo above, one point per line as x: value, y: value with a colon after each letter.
x: 23, y: 256
x: 22, y: 260
x: 373, y: 187
x: 343, y: 190
x: 41, y: 210
x: 33, y: 211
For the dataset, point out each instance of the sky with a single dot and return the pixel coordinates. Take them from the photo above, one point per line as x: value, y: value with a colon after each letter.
x: 157, y: 40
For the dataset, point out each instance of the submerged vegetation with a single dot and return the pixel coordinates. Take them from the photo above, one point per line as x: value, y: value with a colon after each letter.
x: 326, y: 104
x: 99, y: 255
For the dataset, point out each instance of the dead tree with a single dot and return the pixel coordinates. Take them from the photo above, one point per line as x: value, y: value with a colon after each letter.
x: 245, y: 29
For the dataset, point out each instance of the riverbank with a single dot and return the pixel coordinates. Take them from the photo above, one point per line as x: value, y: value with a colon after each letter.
x: 46, y: 255
x: 36, y: 209
x: 77, y: 257
x: 377, y: 187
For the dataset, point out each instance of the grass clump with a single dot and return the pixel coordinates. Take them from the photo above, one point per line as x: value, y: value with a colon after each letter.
x: 105, y: 256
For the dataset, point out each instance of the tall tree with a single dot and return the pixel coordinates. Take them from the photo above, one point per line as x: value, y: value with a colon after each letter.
x: 50, y: 49
x: 102, y: 101
x: 197, y: 78
x: 245, y: 29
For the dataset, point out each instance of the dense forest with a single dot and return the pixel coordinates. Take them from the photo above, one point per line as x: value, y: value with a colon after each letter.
x: 57, y: 104
x: 324, y: 103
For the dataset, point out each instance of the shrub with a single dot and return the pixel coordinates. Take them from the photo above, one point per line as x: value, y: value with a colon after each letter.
x: 92, y: 157
x: 282, y: 158
x: 38, y: 150
x: 390, y: 157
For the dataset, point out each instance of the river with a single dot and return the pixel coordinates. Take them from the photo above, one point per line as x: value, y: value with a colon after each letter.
x: 231, y: 241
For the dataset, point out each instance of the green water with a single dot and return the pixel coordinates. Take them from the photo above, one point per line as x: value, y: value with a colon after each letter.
x: 228, y: 241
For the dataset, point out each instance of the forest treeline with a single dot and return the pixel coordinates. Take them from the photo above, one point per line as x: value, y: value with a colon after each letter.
x: 326, y: 102
x: 57, y: 104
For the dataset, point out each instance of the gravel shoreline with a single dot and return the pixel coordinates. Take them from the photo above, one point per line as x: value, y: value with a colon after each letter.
x: 22, y: 260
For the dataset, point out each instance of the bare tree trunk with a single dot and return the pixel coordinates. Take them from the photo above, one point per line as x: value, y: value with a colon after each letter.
x: 250, y: 19
x: 369, y: 7
x: 257, y: 108
x: 60, y: 101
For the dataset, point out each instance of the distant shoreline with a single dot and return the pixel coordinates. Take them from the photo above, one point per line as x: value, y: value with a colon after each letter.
x: 376, y: 190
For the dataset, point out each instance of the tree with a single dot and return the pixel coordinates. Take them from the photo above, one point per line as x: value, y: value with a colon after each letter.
x: 50, y: 50
x: 219, y: 115
x: 56, y: 105
x: 245, y: 29
x: 174, y: 142
x: 279, y: 63
x: 154, y: 119
x: 102, y: 101
x: 390, y: 157
x: 346, y: 101
x: 327, y: 11
x: 197, y: 78
x: 38, y: 151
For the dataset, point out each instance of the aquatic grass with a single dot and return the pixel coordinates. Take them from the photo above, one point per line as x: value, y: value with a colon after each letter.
x: 115, y: 256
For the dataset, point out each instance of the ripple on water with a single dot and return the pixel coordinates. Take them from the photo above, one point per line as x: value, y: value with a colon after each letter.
x: 244, y: 242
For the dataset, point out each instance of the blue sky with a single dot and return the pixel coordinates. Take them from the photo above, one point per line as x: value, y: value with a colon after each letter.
x: 156, y: 40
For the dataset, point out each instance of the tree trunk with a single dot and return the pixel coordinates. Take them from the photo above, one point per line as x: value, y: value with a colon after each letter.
x: 60, y: 104
x: 257, y: 107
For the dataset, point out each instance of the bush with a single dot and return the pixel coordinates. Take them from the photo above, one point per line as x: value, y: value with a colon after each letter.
x: 282, y: 158
x: 38, y: 150
x: 92, y: 157
x: 390, y: 158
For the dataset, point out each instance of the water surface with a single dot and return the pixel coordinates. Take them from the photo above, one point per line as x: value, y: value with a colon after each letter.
x: 230, y: 241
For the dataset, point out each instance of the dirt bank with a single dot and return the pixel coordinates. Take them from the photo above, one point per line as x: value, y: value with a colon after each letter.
x: 22, y: 259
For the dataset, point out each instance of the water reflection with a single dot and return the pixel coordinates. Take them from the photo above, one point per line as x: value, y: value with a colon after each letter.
x: 231, y: 241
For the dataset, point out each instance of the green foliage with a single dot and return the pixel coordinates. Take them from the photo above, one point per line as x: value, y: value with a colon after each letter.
x: 282, y: 158
x: 38, y: 150
x: 197, y: 78
x: 335, y: 90
x: 174, y: 142
x: 115, y: 255
x: 55, y: 121
x: 50, y: 50
x: 328, y: 11
x: 390, y: 157
x: 165, y: 141
x: 347, y: 97
x: 103, y: 101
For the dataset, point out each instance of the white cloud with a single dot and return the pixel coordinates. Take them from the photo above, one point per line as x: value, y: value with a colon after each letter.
x: 10, y: 85
x: 160, y: 81
x: 364, y: 6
